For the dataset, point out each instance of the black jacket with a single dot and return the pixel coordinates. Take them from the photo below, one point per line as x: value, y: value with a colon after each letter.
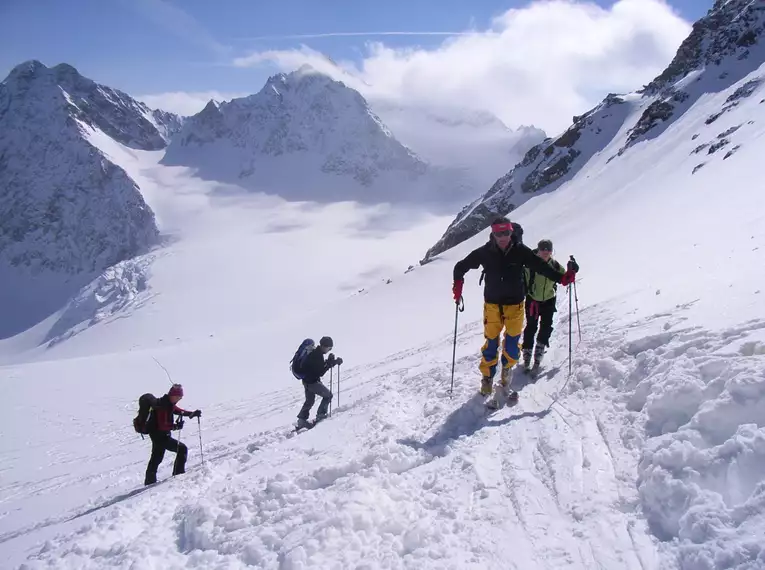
x: 314, y: 366
x: 504, y: 271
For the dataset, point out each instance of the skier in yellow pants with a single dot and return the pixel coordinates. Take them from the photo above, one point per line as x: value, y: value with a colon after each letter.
x: 495, y: 318
x: 503, y: 259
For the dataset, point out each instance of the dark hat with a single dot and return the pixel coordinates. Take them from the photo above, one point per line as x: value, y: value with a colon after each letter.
x: 545, y: 245
x: 326, y: 342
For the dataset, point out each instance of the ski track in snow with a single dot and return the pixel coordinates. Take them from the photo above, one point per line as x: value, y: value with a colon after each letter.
x: 405, y: 477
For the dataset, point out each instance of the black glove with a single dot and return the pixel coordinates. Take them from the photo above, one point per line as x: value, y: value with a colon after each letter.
x: 331, y: 359
x: 572, y: 265
x: 196, y: 414
x: 338, y: 361
x: 178, y: 425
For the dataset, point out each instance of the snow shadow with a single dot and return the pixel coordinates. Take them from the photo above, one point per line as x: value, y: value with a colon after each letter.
x: 26, y: 299
x: 464, y: 421
x: 520, y: 379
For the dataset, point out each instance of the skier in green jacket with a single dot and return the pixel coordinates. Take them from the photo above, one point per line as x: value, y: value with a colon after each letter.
x: 540, y: 305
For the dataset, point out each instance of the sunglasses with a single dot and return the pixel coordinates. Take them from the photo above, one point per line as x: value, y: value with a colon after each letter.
x: 505, y: 233
x: 545, y: 249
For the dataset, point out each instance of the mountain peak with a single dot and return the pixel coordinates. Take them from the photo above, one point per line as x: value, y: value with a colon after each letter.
x: 729, y: 30
x: 305, y: 136
x: 32, y: 88
x: 25, y: 72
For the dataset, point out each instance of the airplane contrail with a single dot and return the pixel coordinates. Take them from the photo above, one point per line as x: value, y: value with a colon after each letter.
x: 351, y: 34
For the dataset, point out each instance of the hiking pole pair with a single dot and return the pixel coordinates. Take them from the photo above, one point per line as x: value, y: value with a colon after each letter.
x: 330, y: 388
x: 571, y: 317
x: 459, y: 308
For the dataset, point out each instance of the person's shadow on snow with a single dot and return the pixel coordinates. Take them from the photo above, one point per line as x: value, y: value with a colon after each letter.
x: 520, y: 378
x: 464, y: 422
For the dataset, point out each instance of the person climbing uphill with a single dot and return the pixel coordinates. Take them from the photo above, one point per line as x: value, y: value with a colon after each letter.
x: 540, y: 306
x: 503, y: 260
x: 159, y: 426
x: 310, y: 371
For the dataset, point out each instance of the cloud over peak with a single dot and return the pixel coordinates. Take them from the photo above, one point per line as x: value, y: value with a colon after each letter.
x: 539, y: 64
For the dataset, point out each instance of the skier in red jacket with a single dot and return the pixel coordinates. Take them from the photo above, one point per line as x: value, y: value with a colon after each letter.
x: 160, y: 424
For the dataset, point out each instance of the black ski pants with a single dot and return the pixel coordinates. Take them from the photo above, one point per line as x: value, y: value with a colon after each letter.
x: 161, y: 442
x: 311, y: 391
x: 537, y: 311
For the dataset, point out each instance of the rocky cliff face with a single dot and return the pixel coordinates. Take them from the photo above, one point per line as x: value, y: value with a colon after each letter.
x: 63, y: 205
x: 545, y: 167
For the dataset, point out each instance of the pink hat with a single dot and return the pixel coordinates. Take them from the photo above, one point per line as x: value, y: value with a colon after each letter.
x: 176, y: 390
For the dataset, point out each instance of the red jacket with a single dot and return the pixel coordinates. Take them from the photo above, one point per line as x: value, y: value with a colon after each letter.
x: 161, y: 417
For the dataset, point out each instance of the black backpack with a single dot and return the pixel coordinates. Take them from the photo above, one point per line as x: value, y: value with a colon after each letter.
x: 517, y: 236
x: 296, y: 364
x: 145, y: 404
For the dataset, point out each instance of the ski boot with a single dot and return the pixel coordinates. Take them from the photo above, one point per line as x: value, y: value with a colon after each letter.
x: 486, y: 384
x: 303, y: 424
x: 511, y: 396
x: 505, y: 380
x: 320, y: 417
x: 526, y: 359
x: 539, y: 354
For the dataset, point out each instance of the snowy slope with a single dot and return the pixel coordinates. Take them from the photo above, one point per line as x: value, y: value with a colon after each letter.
x: 652, y: 455
x: 723, y: 47
x: 305, y: 136
x: 477, y: 142
x: 66, y: 210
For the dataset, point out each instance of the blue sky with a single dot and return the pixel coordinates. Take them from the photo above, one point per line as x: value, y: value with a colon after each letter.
x: 157, y: 46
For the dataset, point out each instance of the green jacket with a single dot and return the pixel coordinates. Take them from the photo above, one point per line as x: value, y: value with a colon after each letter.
x: 539, y: 287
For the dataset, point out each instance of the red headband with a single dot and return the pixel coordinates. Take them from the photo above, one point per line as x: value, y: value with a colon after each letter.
x: 507, y: 226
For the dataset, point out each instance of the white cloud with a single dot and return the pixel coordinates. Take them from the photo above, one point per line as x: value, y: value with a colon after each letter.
x: 539, y: 65
x: 185, y: 102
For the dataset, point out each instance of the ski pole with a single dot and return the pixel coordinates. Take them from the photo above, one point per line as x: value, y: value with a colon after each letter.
x: 578, y: 325
x: 570, y: 316
x: 180, y: 427
x: 459, y: 306
x: 338, y: 385
x: 201, y: 451
x: 330, y: 389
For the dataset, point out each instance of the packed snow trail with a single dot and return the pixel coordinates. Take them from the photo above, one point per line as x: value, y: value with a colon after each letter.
x: 402, y: 476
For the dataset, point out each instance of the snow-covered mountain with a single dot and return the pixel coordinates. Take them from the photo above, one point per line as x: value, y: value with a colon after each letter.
x: 723, y: 47
x: 477, y: 142
x: 641, y: 446
x: 305, y: 136
x: 65, y: 208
